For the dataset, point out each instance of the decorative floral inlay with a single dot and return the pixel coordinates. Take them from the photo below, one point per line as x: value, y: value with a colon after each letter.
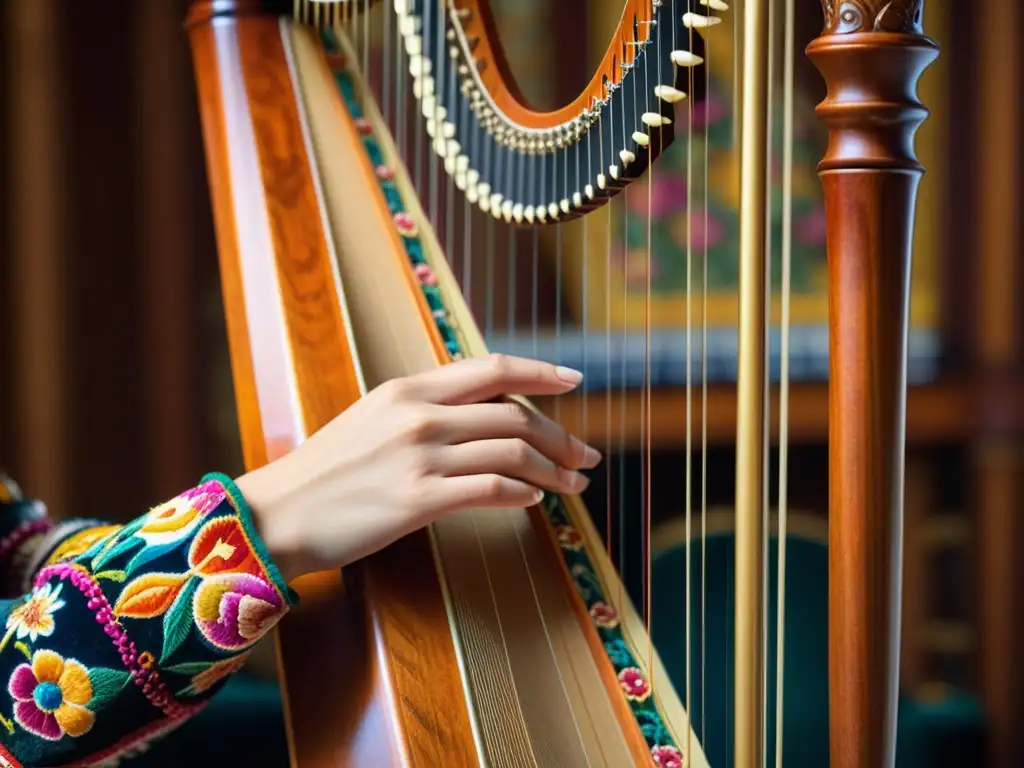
x: 623, y: 656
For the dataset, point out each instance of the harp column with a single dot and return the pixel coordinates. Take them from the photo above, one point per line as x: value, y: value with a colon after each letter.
x: 871, y: 55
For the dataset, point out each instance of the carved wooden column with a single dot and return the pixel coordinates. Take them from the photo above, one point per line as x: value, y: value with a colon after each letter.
x: 871, y: 55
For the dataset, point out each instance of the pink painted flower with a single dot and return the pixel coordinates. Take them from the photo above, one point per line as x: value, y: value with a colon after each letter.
x: 710, y: 233
x: 234, y: 610
x: 809, y: 229
x: 384, y: 173
x: 634, y: 684
x: 425, y: 274
x: 709, y: 111
x: 665, y: 756
x: 405, y: 224
x: 569, y: 538
x: 363, y: 126
x: 668, y: 196
x: 604, y: 615
x: 51, y: 695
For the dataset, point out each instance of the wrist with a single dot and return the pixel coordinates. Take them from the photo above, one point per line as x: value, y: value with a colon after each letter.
x: 269, y: 497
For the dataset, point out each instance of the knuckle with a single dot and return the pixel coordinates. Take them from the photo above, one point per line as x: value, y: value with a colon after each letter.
x: 394, y: 390
x: 519, y: 452
x: 519, y: 417
x: 420, y: 425
x: 494, y: 486
x: 500, y: 364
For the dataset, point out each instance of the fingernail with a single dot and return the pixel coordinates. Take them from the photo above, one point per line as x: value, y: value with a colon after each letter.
x: 591, y: 458
x: 580, y: 482
x: 571, y: 375
x: 538, y: 496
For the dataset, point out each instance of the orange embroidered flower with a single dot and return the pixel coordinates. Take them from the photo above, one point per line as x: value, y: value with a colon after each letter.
x: 221, y: 546
x: 51, y: 695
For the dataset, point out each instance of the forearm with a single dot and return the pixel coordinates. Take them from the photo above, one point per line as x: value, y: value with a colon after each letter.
x: 127, y: 631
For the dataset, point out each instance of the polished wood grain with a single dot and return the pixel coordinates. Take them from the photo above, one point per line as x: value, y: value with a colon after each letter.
x: 273, y: 254
x: 368, y: 664
x: 871, y: 58
x: 496, y: 74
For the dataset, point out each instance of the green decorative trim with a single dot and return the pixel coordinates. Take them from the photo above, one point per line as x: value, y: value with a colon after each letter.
x: 245, y: 516
x: 665, y: 751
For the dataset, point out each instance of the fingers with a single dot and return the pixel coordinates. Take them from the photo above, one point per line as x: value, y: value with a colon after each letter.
x: 485, y: 378
x: 485, y: 492
x: 512, y: 458
x: 490, y: 421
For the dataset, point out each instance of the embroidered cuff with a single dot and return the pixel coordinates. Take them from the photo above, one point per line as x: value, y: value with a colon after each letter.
x: 130, y: 629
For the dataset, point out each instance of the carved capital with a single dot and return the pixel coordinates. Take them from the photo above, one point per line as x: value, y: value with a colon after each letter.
x: 845, y: 17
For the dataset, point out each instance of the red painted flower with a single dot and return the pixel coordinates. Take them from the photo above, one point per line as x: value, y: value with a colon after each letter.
x: 634, y: 684
x: 363, y: 126
x: 406, y: 224
x: 384, y: 173
x: 425, y: 274
x: 604, y: 615
x: 569, y: 538
x: 665, y: 756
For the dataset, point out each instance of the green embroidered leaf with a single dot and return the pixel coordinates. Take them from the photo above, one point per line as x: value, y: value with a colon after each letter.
x: 118, y: 576
x: 152, y: 552
x: 20, y: 646
x: 189, y: 668
x: 7, y: 724
x: 122, y: 543
x: 178, y: 621
x: 106, y: 684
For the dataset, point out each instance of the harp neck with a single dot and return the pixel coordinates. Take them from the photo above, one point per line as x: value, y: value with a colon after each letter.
x: 871, y: 55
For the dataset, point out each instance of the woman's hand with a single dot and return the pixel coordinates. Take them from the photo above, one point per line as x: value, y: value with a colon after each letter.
x: 411, y: 451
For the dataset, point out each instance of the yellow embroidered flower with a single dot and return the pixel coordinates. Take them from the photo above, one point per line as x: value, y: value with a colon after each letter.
x: 51, y: 696
x: 176, y: 519
x: 34, y: 618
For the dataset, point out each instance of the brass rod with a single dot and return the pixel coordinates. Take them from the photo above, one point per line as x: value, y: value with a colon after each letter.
x: 749, y: 698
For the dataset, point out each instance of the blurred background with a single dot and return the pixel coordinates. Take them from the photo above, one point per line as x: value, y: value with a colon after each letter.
x: 116, y: 387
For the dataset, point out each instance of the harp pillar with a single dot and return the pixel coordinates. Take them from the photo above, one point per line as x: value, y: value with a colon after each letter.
x: 871, y: 55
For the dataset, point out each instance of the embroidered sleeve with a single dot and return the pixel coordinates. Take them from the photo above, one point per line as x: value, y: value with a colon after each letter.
x: 129, y: 630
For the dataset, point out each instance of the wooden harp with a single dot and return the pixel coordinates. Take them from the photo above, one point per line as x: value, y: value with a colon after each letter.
x: 508, y: 639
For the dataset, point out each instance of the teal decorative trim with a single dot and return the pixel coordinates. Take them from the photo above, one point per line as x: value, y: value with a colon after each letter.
x: 665, y: 751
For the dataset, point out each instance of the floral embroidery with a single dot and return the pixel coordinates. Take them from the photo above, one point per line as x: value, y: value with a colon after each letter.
x: 235, y: 610
x: 406, y: 224
x: 667, y: 757
x: 633, y: 683
x: 20, y: 536
x: 569, y: 538
x: 208, y: 675
x: 34, y: 618
x: 604, y: 615
x: 51, y: 695
x: 80, y: 543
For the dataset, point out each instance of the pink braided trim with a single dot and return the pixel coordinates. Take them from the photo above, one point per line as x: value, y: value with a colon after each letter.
x: 13, y: 540
x: 142, y: 666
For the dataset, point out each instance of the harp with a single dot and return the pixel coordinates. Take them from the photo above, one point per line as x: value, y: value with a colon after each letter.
x: 508, y: 639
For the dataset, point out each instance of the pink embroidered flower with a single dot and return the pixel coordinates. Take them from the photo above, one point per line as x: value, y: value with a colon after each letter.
x: 405, y: 224
x: 234, y: 610
x: 425, y: 274
x: 604, y: 615
x: 363, y: 126
x: 634, y: 684
x: 667, y: 757
x: 569, y: 538
x: 51, y: 695
x: 384, y: 173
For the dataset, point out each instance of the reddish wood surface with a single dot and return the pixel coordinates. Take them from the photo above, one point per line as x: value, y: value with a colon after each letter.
x: 497, y: 76
x: 871, y: 57
x: 370, y: 675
